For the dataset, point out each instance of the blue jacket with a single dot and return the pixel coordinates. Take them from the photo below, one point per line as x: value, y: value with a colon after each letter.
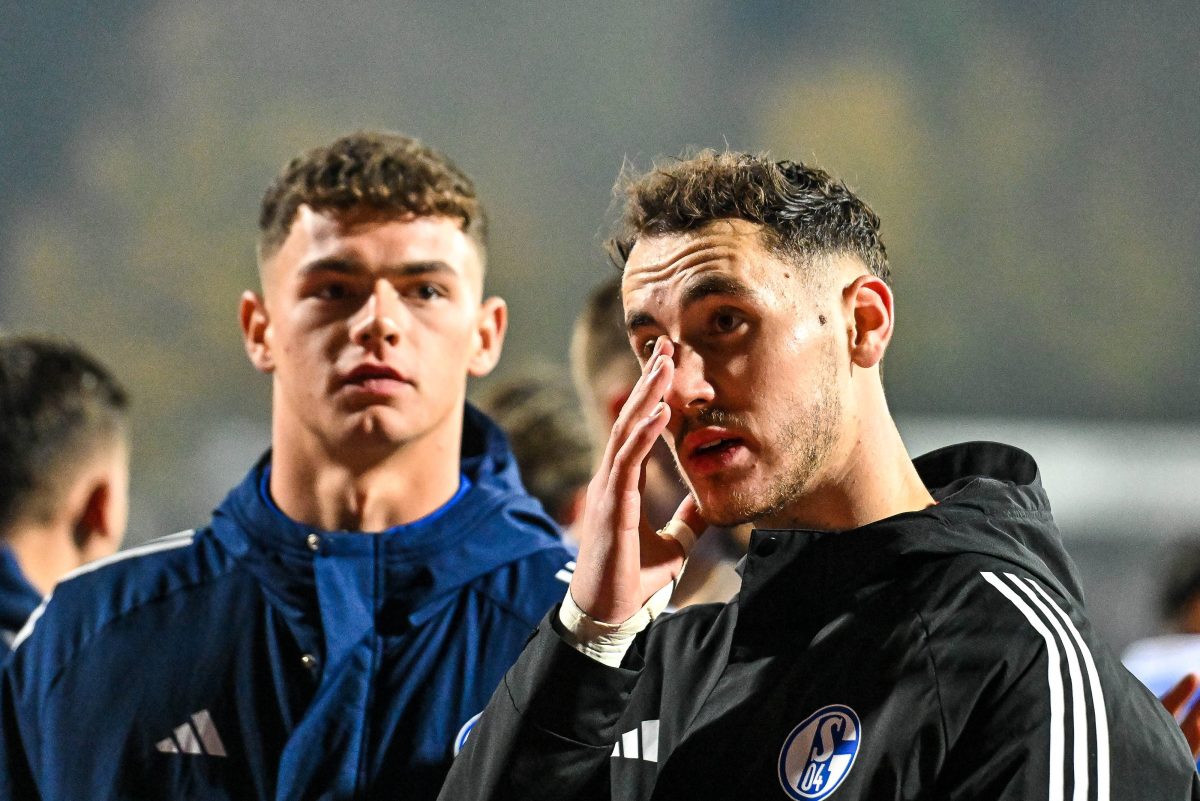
x: 256, y: 658
x: 18, y: 599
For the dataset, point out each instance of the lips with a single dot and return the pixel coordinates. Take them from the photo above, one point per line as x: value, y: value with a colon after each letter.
x: 710, y: 449
x: 375, y: 378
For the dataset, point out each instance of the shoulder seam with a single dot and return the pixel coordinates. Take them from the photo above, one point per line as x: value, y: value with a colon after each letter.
x: 170, y: 542
x: 87, y: 642
x: 927, y: 646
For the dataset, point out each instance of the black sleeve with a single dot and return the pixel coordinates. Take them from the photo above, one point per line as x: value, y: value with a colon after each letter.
x: 1038, y: 708
x: 549, y: 729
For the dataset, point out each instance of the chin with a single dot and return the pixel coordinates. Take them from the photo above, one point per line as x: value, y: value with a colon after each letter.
x: 379, y: 426
x: 722, y: 508
x: 733, y: 503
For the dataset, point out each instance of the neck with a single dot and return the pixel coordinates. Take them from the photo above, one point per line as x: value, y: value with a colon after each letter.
x: 45, y: 552
x: 315, y: 486
x: 873, y: 478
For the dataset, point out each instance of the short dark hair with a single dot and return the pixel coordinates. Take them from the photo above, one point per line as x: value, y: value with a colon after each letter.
x: 803, y: 210
x: 57, y: 404
x: 539, y: 414
x: 1181, y: 584
x: 383, y: 171
x: 600, y: 337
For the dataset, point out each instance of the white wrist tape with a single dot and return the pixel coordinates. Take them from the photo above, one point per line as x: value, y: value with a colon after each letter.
x: 682, y: 533
x: 608, y: 642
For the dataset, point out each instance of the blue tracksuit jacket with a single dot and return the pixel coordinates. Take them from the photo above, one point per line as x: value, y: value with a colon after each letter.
x: 257, y: 658
x: 17, y: 599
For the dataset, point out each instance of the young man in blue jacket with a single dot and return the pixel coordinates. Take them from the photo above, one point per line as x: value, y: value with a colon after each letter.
x: 282, y: 651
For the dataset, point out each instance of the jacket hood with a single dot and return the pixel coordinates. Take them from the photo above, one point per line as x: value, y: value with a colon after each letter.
x: 493, y: 523
x: 990, y: 501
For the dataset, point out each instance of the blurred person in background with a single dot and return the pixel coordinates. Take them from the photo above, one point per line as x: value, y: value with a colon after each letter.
x: 905, y: 628
x: 336, y: 627
x: 605, y: 371
x: 1159, y: 660
x: 64, y: 470
x: 539, y: 413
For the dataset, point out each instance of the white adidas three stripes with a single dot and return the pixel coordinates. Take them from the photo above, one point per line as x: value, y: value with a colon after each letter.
x: 1088, y: 712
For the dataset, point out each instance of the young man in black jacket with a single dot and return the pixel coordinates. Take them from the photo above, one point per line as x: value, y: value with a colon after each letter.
x: 905, y: 629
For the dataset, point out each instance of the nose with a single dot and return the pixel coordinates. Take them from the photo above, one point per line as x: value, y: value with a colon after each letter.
x: 690, y: 387
x: 377, y: 321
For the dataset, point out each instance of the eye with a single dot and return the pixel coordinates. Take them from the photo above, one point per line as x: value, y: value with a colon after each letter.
x: 726, y: 321
x: 428, y: 291
x: 333, y: 291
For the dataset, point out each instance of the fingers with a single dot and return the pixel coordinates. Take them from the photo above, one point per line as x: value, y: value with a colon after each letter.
x: 1191, y: 729
x: 1177, y: 696
x: 627, y: 472
x: 1176, y: 700
x: 650, y: 387
x: 689, y: 513
x: 685, y: 527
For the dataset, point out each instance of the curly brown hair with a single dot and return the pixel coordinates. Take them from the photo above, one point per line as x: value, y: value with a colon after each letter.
x: 384, y: 171
x: 804, y: 212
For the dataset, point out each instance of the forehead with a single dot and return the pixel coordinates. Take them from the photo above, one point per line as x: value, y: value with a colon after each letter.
x: 725, y: 257
x: 372, y: 240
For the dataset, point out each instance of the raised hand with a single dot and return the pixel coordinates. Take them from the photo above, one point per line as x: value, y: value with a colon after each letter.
x: 1176, y: 702
x: 622, y: 561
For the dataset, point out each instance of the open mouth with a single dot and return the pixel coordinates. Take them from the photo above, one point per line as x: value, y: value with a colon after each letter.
x: 715, y: 446
x: 712, y: 450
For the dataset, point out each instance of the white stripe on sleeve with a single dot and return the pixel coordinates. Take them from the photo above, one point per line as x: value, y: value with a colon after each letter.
x: 1054, y: 678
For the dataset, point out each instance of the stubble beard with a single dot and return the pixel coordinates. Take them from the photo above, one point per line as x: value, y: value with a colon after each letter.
x: 805, y: 441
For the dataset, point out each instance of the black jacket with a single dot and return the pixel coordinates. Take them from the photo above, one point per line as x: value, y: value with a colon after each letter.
x: 940, y: 654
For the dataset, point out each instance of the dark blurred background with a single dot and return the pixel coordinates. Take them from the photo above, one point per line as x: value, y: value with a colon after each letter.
x: 1036, y: 167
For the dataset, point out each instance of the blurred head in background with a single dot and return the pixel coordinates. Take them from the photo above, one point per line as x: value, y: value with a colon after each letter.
x: 539, y: 413
x: 1180, y: 599
x: 604, y: 370
x: 64, y: 458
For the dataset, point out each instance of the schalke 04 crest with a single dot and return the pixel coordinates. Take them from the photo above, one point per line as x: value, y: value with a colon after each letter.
x: 819, y: 752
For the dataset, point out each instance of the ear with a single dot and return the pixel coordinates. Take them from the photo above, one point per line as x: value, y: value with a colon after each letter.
x: 489, y: 336
x: 615, y: 402
x: 256, y: 331
x: 868, y: 302
x: 96, y: 531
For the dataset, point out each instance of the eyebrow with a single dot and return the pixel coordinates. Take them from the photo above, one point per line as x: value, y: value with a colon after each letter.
x: 344, y: 266
x: 703, y: 287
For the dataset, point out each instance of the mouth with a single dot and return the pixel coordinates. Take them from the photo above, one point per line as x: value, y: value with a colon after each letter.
x: 378, y: 379
x: 710, y: 450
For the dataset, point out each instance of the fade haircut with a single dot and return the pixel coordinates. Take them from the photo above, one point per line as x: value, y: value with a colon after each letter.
x: 58, y: 408
x: 539, y: 414
x: 804, y: 212
x: 387, y: 172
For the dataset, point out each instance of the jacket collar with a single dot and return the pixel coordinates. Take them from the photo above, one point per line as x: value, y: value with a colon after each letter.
x: 494, y: 522
x: 990, y: 501
x: 18, y: 598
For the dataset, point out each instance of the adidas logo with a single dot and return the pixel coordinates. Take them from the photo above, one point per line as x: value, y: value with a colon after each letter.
x: 196, y: 736
x: 566, y: 573
x: 631, y: 746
